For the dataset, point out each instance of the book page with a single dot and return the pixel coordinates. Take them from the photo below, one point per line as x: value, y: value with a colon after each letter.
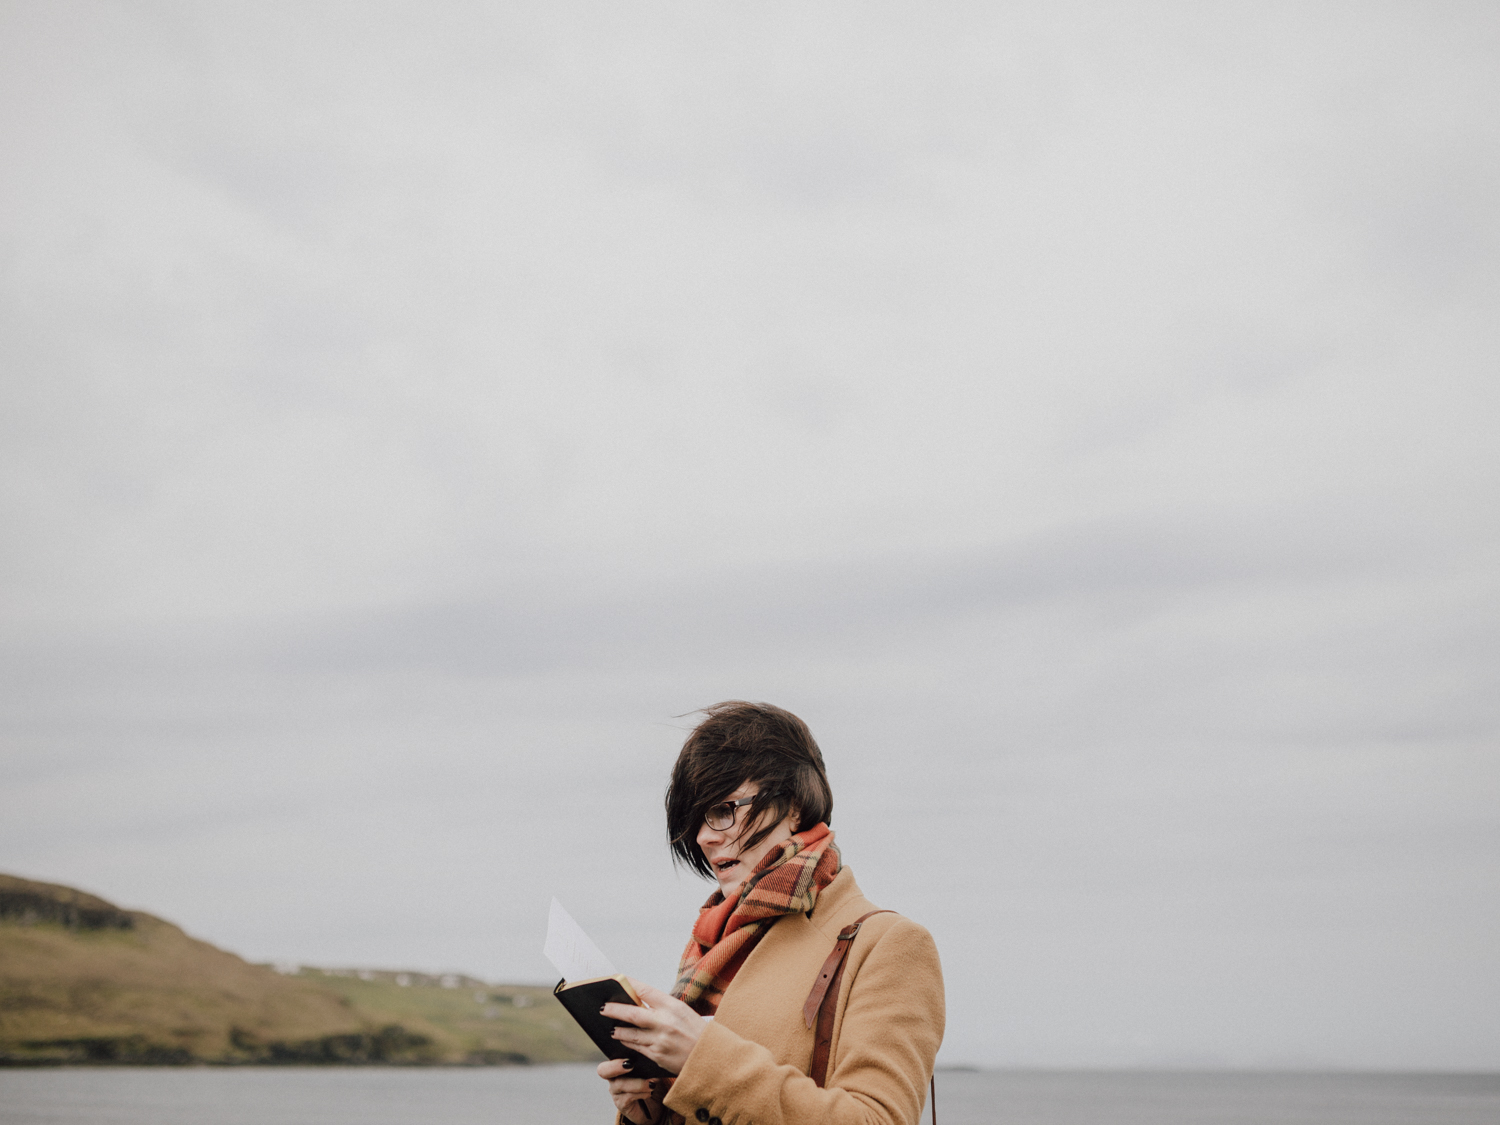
x: 572, y: 954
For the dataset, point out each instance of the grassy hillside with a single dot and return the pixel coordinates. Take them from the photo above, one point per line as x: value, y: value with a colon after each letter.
x: 488, y: 1023
x: 83, y: 981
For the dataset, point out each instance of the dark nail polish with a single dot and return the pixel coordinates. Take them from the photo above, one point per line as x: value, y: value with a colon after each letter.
x: 627, y: 1064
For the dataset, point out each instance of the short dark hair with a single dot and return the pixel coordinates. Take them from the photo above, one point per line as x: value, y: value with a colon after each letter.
x: 739, y: 743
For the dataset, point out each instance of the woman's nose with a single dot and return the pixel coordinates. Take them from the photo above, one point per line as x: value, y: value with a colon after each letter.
x: 707, y: 835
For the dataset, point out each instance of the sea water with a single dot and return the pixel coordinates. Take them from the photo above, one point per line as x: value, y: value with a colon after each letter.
x: 568, y: 1095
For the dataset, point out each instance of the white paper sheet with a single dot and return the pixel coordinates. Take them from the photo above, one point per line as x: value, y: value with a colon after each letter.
x: 569, y: 949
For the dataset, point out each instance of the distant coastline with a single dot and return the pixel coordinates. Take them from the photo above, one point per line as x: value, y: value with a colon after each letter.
x: 84, y: 982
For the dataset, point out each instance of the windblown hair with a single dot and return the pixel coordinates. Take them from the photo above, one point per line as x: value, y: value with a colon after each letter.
x: 739, y: 743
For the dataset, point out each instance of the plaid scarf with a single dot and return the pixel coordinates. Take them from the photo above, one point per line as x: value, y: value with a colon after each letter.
x: 787, y: 881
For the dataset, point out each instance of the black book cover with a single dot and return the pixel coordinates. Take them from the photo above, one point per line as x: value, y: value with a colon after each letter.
x: 583, y: 1001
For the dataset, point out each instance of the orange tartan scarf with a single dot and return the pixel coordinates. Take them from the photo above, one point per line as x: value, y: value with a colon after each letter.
x: 787, y: 881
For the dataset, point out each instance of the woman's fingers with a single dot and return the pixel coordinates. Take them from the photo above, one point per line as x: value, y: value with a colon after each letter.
x: 631, y: 1087
x: 617, y: 1074
x: 663, y: 1001
x: 634, y: 1097
x: 664, y: 1032
x: 630, y: 1013
x: 653, y: 995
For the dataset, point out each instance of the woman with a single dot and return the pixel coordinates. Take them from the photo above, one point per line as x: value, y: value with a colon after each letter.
x: 749, y: 806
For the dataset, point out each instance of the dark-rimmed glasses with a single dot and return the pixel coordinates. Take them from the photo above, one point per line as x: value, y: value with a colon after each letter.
x: 721, y: 816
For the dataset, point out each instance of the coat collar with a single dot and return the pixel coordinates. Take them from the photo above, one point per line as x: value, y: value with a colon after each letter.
x: 839, y: 903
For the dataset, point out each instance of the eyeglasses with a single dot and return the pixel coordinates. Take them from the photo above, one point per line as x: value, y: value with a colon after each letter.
x: 721, y: 816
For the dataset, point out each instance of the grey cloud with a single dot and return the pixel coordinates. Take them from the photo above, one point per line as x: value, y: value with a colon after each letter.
x: 775, y: 606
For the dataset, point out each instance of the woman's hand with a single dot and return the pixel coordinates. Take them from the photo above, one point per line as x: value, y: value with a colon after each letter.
x: 665, y: 1032
x: 634, y: 1097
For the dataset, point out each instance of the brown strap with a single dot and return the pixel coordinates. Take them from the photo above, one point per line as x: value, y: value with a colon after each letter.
x: 824, y: 998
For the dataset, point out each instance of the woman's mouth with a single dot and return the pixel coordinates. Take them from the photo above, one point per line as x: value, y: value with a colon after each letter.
x: 723, y: 865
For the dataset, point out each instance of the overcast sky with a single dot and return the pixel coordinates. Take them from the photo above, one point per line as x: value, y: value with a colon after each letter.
x: 1083, y: 415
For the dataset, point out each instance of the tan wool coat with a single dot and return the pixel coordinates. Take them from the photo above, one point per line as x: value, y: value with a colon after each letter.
x: 750, y: 1067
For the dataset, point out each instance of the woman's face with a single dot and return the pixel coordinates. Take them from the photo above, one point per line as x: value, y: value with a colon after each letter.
x: 721, y: 847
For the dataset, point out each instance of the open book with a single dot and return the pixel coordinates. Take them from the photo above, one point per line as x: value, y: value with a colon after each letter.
x: 590, y: 981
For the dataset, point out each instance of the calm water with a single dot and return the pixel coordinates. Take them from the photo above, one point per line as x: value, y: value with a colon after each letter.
x: 567, y: 1095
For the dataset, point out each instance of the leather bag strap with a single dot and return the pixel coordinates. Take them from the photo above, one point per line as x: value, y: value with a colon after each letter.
x: 824, y: 998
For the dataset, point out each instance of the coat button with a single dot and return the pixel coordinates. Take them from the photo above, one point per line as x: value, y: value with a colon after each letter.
x: 702, y: 1114
x: 714, y: 1121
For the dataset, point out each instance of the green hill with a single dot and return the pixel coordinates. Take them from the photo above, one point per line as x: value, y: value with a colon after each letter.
x: 494, y: 1023
x: 84, y: 981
